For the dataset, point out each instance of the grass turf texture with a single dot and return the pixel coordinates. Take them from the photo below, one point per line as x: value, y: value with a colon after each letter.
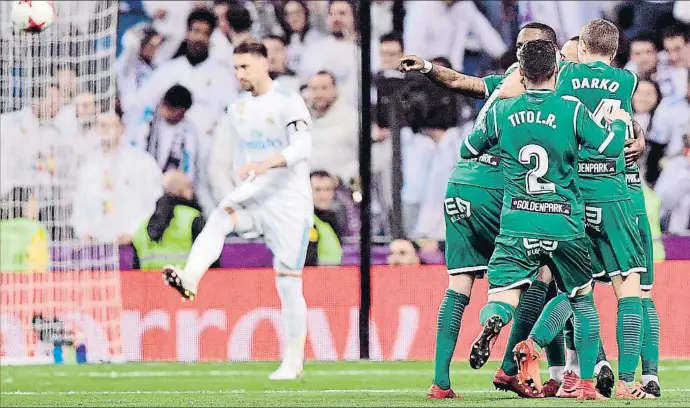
x: 351, y: 384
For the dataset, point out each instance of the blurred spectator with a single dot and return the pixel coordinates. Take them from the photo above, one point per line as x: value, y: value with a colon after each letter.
x: 672, y: 73
x: 329, y: 222
x: 277, y: 62
x: 670, y: 123
x: 403, y: 252
x: 673, y: 188
x: 335, y: 129
x: 208, y: 80
x: 388, y: 80
x: 117, y: 187
x: 648, y: 15
x: 681, y: 11
x: 264, y: 17
x: 75, y: 122
x: 644, y: 56
x: 565, y: 17
x: 441, y: 28
x: 386, y: 17
x: 166, y: 237
x: 25, y: 241
x: 67, y: 82
x: 175, y: 142
x: 220, y: 166
x: 652, y: 204
x: 167, y: 18
x: 135, y: 66
x: 390, y: 51
x: 338, y: 53
x: 645, y: 102
x: 234, y: 26
x: 294, y: 18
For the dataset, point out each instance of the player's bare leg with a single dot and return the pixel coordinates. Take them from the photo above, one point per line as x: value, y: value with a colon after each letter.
x: 450, y: 312
x: 497, y: 313
x: 206, y: 249
x: 294, y: 313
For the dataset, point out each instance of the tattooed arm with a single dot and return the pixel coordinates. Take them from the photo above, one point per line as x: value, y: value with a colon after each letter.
x: 445, y: 77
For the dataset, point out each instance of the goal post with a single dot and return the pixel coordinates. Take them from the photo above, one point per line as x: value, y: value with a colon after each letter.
x: 57, y: 290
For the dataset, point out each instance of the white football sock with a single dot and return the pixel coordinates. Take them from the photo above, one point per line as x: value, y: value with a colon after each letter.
x: 294, y: 311
x: 646, y: 378
x: 571, y: 361
x: 207, y: 247
x: 556, y: 373
x: 600, y: 364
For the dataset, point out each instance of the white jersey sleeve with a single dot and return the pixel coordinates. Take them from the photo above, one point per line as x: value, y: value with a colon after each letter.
x: 297, y: 123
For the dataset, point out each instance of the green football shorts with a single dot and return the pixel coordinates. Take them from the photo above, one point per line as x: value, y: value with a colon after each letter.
x: 473, y: 217
x: 516, y: 260
x: 615, y: 242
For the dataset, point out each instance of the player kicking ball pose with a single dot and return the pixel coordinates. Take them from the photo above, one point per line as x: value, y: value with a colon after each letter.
x: 472, y: 213
x: 270, y: 132
x: 542, y: 219
x: 612, y: 227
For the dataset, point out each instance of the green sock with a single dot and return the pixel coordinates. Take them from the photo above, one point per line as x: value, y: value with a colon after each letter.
x: 650, y: 341
x: 601, y: 355
x: 500, y: 309
x: 552, y: 320
x: 526, y: 314
x: 555, y: 351
x: 587, y: 330
x: 447, y: 330
x: 629, y: 336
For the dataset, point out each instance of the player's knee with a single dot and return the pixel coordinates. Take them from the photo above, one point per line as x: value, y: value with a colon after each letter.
x: 544, y: 275
x: 219, y: 218
x: 461, y: 283
x: 242, y: 220
x: 628, y: 286
x: 283, y: 270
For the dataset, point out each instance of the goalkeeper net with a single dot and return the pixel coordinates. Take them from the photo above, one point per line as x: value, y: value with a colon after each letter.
x: 57, y: 290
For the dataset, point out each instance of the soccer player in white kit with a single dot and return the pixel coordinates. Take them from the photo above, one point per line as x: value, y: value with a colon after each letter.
x: 271, y: 146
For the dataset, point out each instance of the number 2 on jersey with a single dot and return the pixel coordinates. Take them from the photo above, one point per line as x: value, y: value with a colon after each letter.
x: 541, y: 158
x: 606, y: 105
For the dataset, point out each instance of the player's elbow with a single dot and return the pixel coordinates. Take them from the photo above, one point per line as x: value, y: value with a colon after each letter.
x: 298, y: 151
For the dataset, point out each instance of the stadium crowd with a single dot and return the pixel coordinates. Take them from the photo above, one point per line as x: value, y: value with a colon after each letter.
x: 169, y: 145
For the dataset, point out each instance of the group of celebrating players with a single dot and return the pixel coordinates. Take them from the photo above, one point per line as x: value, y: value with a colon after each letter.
x: 546, y: 200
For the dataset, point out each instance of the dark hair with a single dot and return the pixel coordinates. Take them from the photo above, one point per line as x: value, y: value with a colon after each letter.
x: 353, y: 7
x: 286, y: 27
x: 201, y: 14
x: 547, y: 31
x: 178, y: 97
x: 538, y: 60
x: 274, y: 37
x: 600, y: 37
x: 239, y: 18
x: 393, y: 37
x: 576, y: 38
x: 329, y: 74
x: 442, y: 61
x: 676, y: 30
x: 320, y: 173
x: 644, y: 37
x: 147, y: 33
x: 252, y: 47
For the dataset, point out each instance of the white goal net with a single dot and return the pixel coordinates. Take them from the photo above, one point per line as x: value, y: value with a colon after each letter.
x: 57, y: 291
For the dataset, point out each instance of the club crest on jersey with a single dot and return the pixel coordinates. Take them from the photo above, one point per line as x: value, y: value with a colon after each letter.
x: 270, y: 120
x: 539, y: 246
x: 457, y: 208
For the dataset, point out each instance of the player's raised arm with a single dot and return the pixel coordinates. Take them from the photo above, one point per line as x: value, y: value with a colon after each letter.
x: 482, y: 137
x: 609, y: 142
x: 447, y: 78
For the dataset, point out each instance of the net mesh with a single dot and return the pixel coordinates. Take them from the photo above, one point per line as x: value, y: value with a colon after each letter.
x: 56, y: 288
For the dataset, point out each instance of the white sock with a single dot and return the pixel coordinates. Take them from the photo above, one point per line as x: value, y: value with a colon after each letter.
x: 646, y: 378
x: 600, y: 364
x: 571, y: 361
x: 294, y: 310
x: 207, y: 247
x: 556, y: 373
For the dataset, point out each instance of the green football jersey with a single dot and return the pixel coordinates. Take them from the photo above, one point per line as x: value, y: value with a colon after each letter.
x: 599, y: 87
x: 483, y: 171
x: 538, y: 135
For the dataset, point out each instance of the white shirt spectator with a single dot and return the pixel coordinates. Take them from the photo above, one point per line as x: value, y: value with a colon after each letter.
x: 220, y: 166
x: 170, y: 20
x: 681, y: 11
x: 335, y: 140
x: 433, y: 29
x: 209, y: 82
x: 673, y: 188
x: 338, y: 56
x: 431, y: 224
x: 297, y: 46
x: 115, y: 193
x: 565, y: 17
x: 670, y: 124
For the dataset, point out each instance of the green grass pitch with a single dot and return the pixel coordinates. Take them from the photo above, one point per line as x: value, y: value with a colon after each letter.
x: 346, y: 384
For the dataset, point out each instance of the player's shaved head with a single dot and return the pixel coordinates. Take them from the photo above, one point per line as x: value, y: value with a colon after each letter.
x: 569, y: 49
x: 599, y: 37
x: 538, y: 61
x: 535, y: 31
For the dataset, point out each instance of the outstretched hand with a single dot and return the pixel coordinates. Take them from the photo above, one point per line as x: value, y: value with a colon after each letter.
x: 410, y: 63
